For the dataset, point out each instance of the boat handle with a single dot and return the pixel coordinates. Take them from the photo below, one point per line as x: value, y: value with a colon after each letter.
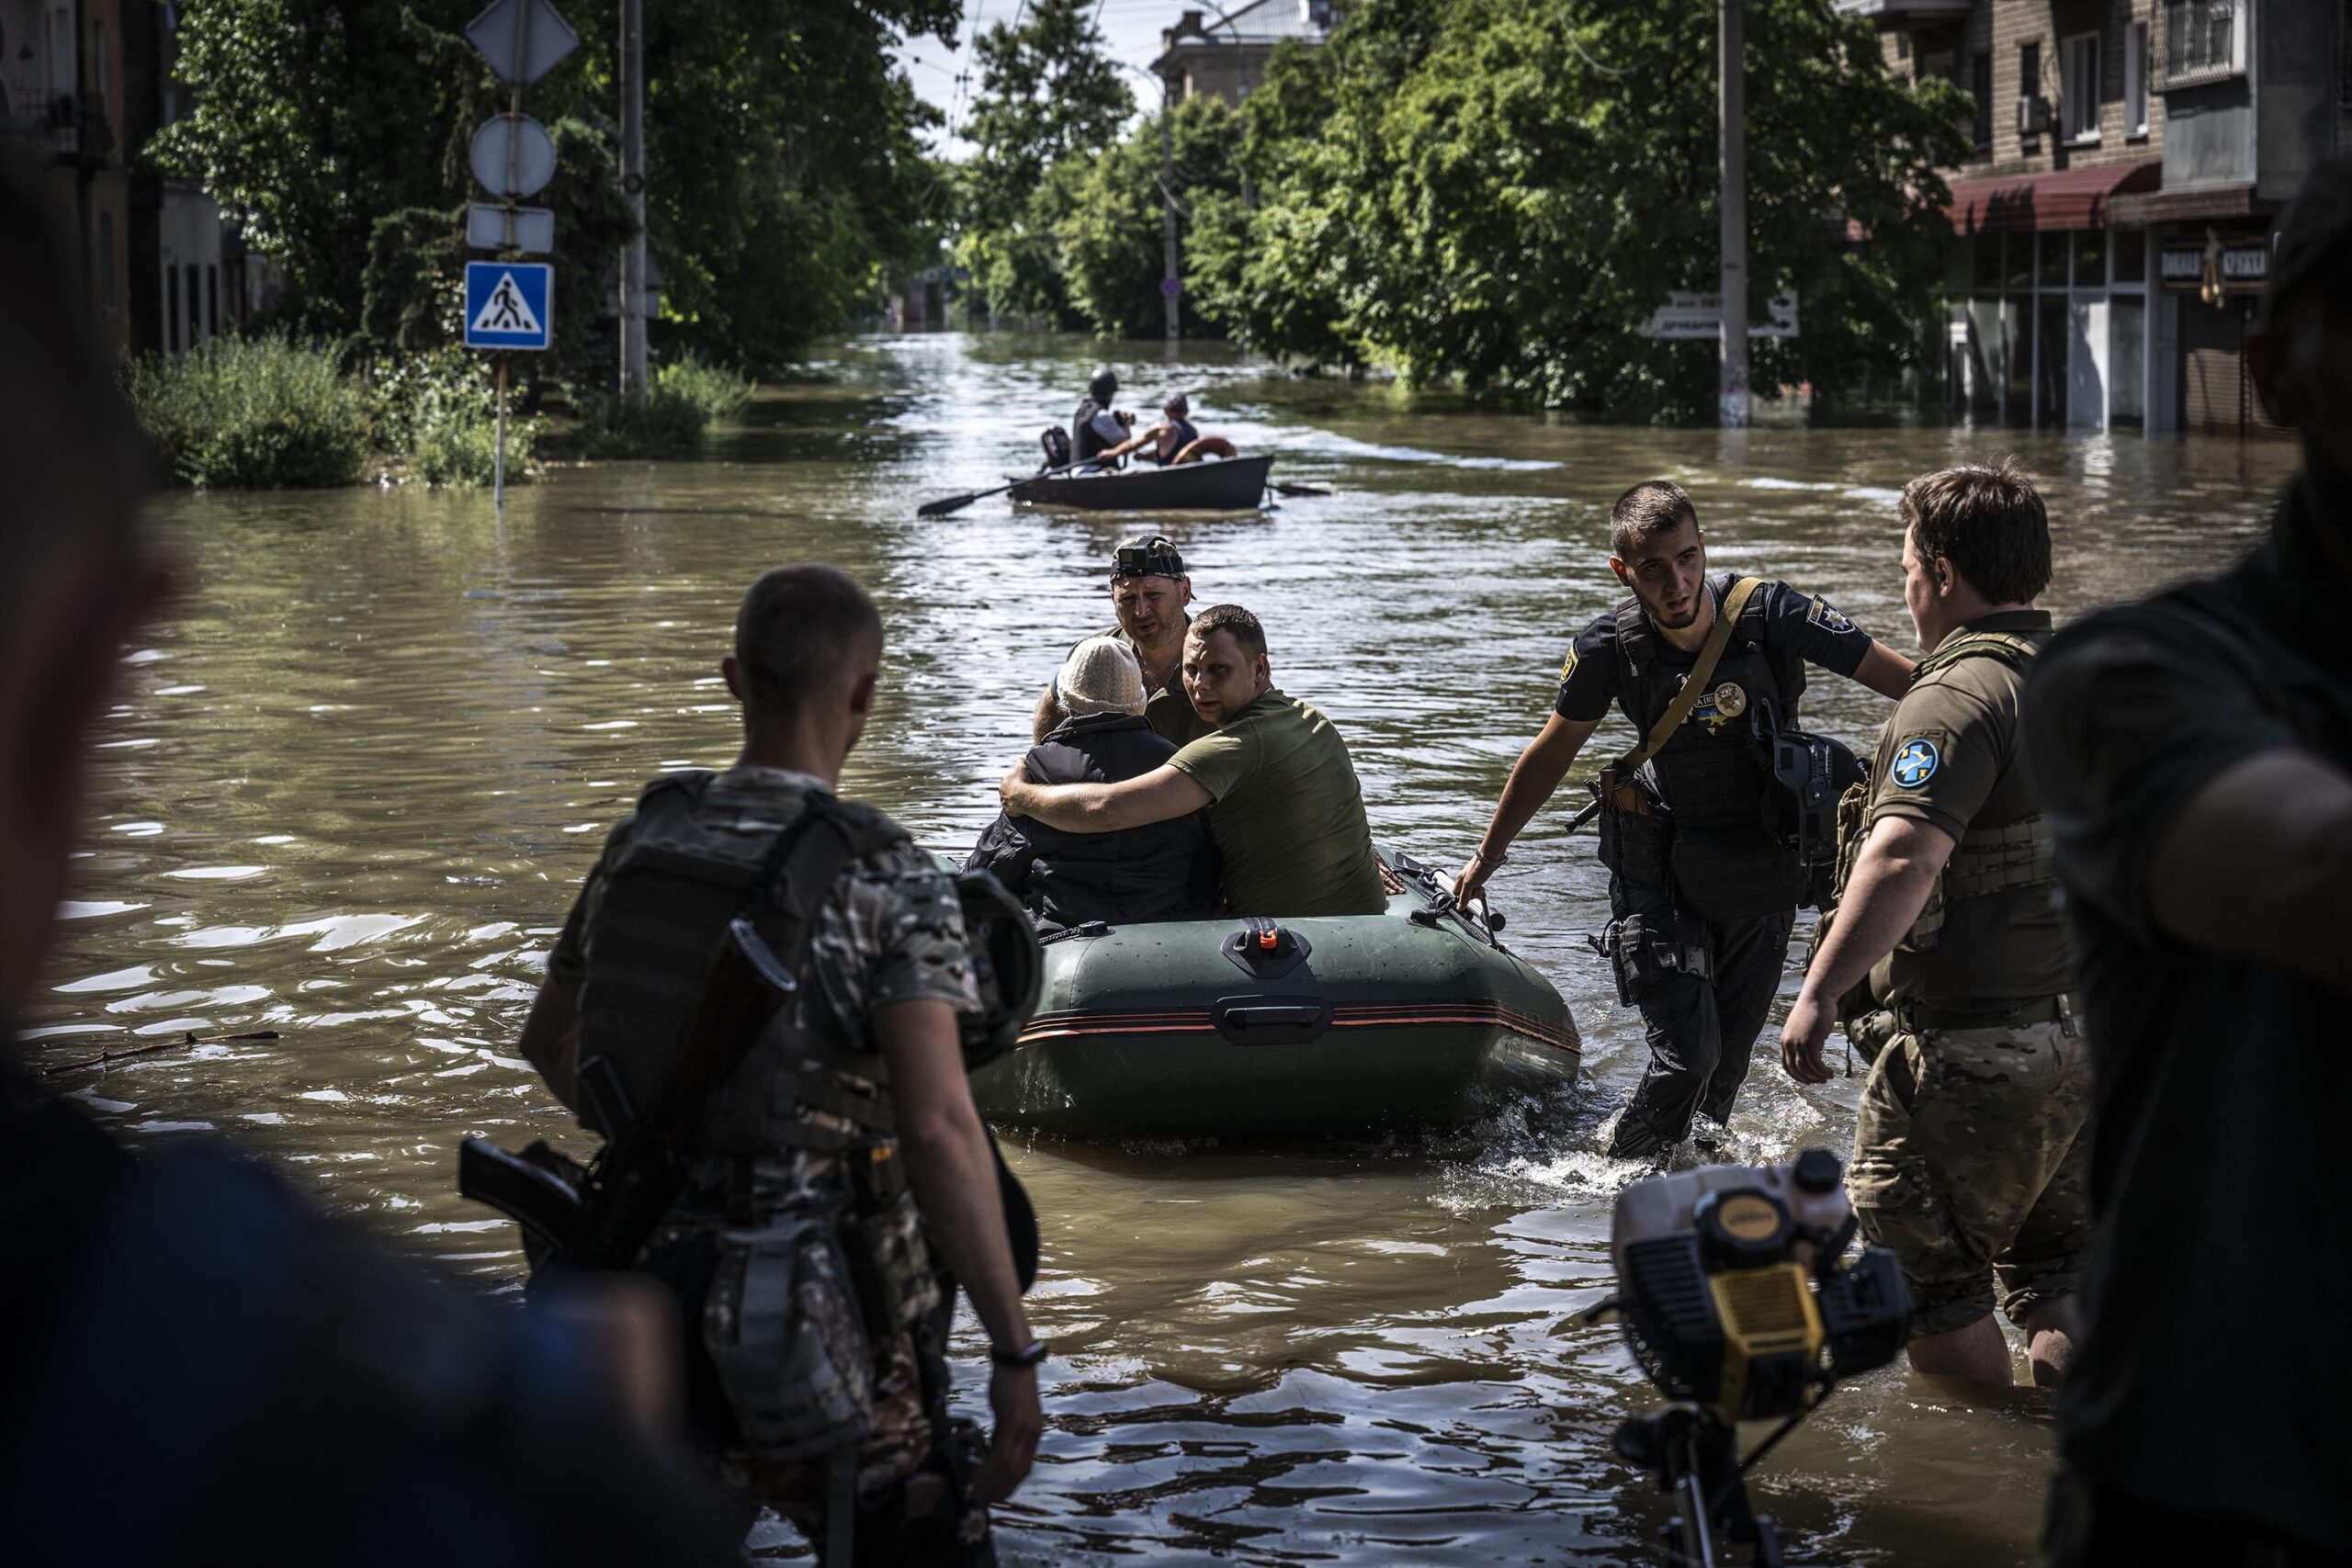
x: 1292, y: 1014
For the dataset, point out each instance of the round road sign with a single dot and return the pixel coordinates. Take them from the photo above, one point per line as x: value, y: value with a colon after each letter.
x: 514, y: 156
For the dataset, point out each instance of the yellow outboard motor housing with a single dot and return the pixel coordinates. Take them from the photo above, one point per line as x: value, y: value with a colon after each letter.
x: 1734, y: 1292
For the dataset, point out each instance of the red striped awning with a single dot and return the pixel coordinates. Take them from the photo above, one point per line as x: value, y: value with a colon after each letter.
x: 2060, y: 198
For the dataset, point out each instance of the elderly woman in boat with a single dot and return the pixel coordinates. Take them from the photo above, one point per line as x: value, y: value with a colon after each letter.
x: 1285, y: 810
x: 1091, y: 729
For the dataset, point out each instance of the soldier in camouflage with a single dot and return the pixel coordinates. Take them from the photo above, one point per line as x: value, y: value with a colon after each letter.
x: 803, y: 1259
x: 1950, y: 962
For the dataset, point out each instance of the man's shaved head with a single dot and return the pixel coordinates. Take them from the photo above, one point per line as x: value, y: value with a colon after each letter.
x: 804, y: 633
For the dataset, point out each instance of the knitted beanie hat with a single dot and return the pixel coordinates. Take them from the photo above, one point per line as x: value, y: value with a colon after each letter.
x: 1100, y: 675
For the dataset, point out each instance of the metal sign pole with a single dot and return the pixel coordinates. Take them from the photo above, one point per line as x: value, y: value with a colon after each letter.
x: 498, y: 471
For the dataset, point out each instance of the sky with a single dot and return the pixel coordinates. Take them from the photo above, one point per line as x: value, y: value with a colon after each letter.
x: 1130, y: 28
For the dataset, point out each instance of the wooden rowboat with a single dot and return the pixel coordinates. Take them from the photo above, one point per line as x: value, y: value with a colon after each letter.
x: 1233, y: 484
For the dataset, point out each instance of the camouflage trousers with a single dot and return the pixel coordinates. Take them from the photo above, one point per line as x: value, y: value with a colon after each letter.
x: 1972, y: 1163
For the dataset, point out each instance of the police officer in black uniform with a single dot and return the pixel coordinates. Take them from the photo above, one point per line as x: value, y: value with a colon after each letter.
x: 1705, y: 882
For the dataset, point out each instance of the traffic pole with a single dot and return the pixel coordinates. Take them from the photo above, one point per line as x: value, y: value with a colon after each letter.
x: 1168, y: 208
x: 498, y: 460
x: 632, y: 262
x: 1730, y: 54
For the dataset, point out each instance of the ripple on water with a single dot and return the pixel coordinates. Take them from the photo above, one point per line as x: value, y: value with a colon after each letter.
x: 422, y: 720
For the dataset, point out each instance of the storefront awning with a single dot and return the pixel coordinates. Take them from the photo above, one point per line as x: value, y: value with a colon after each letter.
x: 2062, y: 198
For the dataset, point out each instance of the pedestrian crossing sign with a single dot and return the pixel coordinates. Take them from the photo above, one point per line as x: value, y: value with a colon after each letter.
x: 509, y: 304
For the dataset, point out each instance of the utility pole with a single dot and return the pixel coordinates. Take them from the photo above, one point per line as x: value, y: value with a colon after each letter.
x: 1169, y: 287
x: 1731, y: 394
x: 632, y: 269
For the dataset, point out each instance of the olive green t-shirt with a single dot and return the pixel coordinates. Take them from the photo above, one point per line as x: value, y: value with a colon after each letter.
x: 1167, y: 709
x: 1287, y: 815
x: 1953, y: 755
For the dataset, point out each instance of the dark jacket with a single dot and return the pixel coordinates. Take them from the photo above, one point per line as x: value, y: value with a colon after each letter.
x: 1166, y: 871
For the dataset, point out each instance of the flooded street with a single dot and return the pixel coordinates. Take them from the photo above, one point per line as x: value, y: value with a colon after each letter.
x: 359, y: 777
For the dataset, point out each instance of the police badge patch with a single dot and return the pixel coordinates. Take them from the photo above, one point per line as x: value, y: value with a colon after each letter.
x: 1914, y: 763
x: 1828, y: 616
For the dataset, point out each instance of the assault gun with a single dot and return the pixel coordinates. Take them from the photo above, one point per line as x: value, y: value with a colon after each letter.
x: 599, y: 1215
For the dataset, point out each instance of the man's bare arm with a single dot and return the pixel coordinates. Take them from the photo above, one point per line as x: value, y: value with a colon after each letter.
x: 1894, y: 875
x: 1534, y: 778
x: 1160, y: 795
x: 954, y: 1177
x: 550, y: 1041
x: 1885, y: 671
x: 2259, y: 866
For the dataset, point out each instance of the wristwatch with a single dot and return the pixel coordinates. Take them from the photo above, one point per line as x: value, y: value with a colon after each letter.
x: 1027, y: 1356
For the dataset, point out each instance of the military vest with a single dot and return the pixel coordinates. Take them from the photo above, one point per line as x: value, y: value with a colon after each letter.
x: 1984, y: 860
x: 1728, y: 862
x: 689, y: 863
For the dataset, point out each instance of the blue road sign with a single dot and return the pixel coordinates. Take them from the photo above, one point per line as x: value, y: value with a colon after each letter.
x: 509, y: 304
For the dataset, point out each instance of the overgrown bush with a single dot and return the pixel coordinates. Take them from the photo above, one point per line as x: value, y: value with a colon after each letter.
x: 252, y: 414
x: 687, y: 398
x: 718, y: 392
x: 439, y: 412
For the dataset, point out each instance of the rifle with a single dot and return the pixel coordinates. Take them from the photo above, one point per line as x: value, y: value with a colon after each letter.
x: 599, y: 1216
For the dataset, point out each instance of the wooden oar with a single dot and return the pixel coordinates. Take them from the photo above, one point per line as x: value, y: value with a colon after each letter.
x: 958, y: 503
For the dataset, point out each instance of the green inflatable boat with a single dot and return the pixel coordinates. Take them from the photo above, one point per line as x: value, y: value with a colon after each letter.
x: 1254, y: 1029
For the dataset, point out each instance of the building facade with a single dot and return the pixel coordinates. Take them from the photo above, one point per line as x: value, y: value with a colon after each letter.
x: 1224, y: 53
x: 2111, y: 232
x: 84, y: 85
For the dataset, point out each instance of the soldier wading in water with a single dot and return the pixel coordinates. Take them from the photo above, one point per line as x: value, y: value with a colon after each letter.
x: 1708, y: 855
x: 816, y: 1319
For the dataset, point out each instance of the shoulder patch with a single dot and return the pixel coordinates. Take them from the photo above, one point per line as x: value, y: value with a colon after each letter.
x: 1914, y: 763
x: 1569, y: 668
x: 1828, y: 616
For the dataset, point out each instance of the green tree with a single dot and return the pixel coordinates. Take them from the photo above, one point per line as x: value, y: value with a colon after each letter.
x: 1503, y: 190
x: 1049, y: 96
x: 783, y: 147
x: 1111, y: 236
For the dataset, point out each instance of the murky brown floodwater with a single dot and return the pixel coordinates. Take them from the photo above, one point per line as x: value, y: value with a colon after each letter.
x: 358, y: 780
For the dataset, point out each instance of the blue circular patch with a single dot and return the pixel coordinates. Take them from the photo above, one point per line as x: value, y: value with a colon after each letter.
x: 1915, y: 764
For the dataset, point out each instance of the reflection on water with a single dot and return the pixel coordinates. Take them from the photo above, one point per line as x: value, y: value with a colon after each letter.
x: 352, y: 789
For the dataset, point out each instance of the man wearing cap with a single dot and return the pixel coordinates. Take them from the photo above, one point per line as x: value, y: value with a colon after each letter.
x: 1284, y: 808
x: 1159, y: 871
x: 1148, y: 591
x: 2194, y: 755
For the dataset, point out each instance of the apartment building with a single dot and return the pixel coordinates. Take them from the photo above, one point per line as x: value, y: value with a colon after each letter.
x: 2111, y: 232
x: 84, y: 85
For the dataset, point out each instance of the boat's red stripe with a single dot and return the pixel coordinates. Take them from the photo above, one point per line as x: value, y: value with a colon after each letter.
x: 1079, y: 1024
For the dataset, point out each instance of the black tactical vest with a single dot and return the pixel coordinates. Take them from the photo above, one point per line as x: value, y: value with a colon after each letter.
x: 1728, y: 862
x: 685, y: 866
x: 1085, y: 441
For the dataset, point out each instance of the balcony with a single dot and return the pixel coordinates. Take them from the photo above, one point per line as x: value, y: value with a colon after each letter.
x: 69, y: 127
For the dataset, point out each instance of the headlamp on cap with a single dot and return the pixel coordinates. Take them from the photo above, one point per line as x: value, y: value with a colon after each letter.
x: 1154, y: 556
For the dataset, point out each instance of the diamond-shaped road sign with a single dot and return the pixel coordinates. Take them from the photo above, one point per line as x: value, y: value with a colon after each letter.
x: 509, y: 304
x: 523, y: 39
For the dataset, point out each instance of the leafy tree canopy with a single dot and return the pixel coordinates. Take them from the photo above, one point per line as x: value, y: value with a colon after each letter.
x: 1110, y: 234
x: 1049, y: 96
x: 1503, y: 190
x: 785, y: 171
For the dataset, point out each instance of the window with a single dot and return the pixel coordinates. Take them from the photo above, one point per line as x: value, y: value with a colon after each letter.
x: 2204, y: 40
x: 1980, y: 86
x: 2078, y: 58
x: 172, y: 307
x: 193, y: 304
x: 2028, y: 70
x: 2135, y: 80
x: 106, y: 259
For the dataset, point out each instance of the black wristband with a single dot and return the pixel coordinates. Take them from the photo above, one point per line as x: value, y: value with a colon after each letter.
x: 1017, y: 1360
